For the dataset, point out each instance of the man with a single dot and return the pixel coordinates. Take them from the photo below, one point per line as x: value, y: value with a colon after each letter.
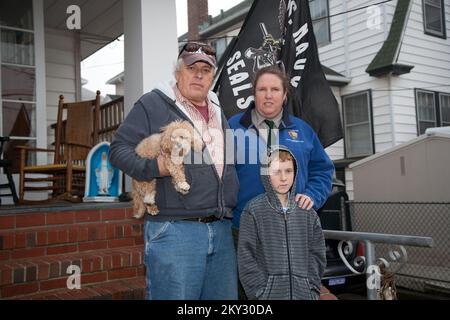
x: 189, y: 252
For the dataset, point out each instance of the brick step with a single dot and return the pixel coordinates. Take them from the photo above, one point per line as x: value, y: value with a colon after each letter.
x: 39, y: 241
x: 17, y: 221
x: 130, y: 289
x: 28, y: 235
x: 18, y: 277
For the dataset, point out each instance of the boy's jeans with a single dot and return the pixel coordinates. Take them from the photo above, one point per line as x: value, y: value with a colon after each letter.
x: 189, y: 260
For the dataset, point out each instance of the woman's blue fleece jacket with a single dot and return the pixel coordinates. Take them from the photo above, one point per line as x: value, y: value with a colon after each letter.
x: 315, y: 169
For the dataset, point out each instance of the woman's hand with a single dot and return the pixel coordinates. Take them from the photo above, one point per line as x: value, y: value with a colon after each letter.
x: 303, y: 201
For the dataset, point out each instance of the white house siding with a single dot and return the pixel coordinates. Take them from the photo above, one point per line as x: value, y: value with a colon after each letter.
x: 61, y: 72
x: 431, y: 59
x: 364, y: 42
x: 332, y: 55
x: 120, y: 89
x: 353, y: 46
x: 349, y: 183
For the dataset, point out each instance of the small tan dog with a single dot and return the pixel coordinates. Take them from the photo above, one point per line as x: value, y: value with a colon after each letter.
x: 175, y: 142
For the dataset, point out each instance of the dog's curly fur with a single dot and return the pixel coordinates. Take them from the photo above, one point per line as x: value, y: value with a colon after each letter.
x: 174, y: 141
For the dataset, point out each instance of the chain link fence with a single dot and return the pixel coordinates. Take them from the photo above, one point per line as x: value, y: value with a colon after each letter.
x: 426, y: 269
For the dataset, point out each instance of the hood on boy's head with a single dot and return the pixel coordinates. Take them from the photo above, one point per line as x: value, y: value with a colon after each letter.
x: 266, y: 180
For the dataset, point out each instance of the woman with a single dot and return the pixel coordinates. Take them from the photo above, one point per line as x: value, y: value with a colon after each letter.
x: 315, y: 169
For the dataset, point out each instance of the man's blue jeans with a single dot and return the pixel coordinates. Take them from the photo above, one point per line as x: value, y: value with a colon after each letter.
x: 188, y: 260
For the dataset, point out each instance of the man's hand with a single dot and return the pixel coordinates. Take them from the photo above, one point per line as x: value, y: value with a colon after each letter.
x: 303, y: 201
x: 163, y: 172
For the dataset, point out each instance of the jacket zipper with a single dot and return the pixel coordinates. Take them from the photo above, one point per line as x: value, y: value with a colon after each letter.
x: 220, y: 196
x: 289, y: 255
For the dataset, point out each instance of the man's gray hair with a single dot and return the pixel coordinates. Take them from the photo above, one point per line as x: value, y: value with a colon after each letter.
x: 178, y: 66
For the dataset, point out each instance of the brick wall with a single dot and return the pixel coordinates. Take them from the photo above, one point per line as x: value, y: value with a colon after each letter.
x: 197, y: 11
x: 37, y: 248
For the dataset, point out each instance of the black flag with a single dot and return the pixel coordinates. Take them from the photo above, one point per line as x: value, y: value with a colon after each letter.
x: 279, y: 32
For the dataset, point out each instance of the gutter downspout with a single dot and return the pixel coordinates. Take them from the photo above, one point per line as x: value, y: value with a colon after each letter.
x: 389, y: 82
x: 397, y: 53
x: 391, y: 108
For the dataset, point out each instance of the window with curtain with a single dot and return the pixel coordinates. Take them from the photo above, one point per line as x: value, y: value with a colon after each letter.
x: 426, y: 111
x: 321, y: 22
x: 434, y: 17
x: 444, y: 104
x: 432, y: 109
x: 18, y: 76
x: 358, y: 124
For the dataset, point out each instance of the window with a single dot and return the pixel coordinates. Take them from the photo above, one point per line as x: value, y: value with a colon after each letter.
x: 16, y: 14
x: 444, y: 104
x: 358, y: 136
x: 434, y: 17
x: 432, y: 109
x: 17, y: 76
x: 220, y: 45
x: 321, y: 22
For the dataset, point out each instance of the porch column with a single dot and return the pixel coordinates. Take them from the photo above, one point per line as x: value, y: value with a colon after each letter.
x: 151, y: 48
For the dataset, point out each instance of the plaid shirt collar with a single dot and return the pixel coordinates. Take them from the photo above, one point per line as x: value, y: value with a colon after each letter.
x: 188, y: 104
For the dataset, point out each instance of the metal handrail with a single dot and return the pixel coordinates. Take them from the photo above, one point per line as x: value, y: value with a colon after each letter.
x: 369, y: 240
x: 414, y: 241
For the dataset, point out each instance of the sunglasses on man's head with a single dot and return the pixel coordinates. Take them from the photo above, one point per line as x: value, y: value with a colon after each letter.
x: 195, y: 46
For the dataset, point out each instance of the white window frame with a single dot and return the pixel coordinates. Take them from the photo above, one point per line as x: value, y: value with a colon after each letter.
x: 441, y: 34
x: 435, y: 123
x: 443, y: 123
x: 369, y: 123
x: 41, y: 96
x: 437, y: 109
x: 324, y: 18
x: 40, y: 87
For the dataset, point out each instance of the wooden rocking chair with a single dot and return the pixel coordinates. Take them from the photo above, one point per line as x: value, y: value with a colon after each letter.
x: 76, y: 133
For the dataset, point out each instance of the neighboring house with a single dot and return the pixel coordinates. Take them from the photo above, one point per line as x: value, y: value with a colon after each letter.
x: 388, y: 66
x: 87, y: 94
x: 397, y: 56
x: 118, y: 81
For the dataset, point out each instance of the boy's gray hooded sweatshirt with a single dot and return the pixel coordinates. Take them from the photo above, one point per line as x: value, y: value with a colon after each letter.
x: 281, y: 255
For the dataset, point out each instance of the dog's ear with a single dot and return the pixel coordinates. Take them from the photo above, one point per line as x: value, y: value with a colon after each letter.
x: 166, y: 142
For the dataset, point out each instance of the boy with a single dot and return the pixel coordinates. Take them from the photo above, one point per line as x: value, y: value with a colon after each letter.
x: 281, y: 250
